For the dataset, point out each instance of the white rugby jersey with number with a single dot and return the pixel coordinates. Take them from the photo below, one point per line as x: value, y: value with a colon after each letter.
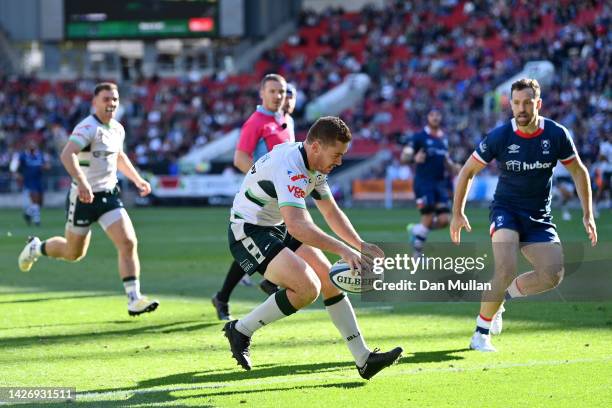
x: 100, y: 145
x: 280, y: 178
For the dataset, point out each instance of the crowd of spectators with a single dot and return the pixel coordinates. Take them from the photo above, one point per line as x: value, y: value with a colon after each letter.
x: 447, y: 54
x: 450, y: 55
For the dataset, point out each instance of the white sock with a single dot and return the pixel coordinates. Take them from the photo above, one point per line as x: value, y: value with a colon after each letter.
x: 513, y: 290
x: 420, y: 233
x: 342, y: 315
x: 37, y: 250
x: 35, y: 213
x: 132, y: 289
x: 483, y: 325
x: 274, y: 308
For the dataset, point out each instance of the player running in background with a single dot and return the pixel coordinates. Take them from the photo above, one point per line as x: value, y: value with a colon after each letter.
x: 602, y: 170
x: 428, y: 149
x: 92, y: 157
x: 271, y: 232
x: 29, y: 166
x: 565, y: 188
x: 526, y: 149
x: 268, y: 126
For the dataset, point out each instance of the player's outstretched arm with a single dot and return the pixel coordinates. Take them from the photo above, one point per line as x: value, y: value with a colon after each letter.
x: 342, y: 226
x: 125, y: 166
x: 242, y: 161
x: 70, y: 161
x: 464, y: 182
x: 581, y: 178
x: 301, y: 226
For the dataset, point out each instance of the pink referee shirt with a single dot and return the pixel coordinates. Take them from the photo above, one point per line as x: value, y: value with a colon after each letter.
x: 262, y: 131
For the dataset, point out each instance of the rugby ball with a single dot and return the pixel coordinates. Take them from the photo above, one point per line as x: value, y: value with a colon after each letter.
x: 343, y: 278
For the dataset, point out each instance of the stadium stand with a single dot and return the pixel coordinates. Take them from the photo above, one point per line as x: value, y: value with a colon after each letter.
x: 417, y: 56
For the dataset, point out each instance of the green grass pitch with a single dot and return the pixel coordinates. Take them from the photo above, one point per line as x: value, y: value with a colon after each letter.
x: 66, y: 325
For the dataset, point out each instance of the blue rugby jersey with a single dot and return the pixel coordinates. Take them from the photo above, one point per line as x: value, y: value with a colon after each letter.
x: 526, y: 162
x: 31, y: 167
x: 436, y: 148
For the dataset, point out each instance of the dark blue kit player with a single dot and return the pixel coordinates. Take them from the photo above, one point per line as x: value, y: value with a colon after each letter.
x: 30, y: 165
x: 526, y: 150
x: 428, y: 149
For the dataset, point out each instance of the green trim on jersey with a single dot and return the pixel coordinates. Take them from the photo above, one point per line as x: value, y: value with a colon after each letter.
x: 252, y: 197
x: 238, y: 215
x: 84, y: 163
x: 290, y: 204
x: 77, y: 141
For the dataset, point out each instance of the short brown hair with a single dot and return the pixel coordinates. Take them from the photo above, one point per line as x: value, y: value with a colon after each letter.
x: 105, y: 86
x: 329, y: 129
x: 273, y: 77
x: 525, y: 83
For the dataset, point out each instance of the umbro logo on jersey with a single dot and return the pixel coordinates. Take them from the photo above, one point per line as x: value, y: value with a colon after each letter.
x: 483, y: 147
x: 513, y: 148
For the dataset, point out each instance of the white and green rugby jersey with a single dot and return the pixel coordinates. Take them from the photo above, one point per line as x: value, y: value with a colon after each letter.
x: 279, y: 178
x: 100, y: 145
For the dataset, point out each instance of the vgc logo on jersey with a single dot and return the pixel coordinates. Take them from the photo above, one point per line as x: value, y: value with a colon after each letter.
x: 297, y: 192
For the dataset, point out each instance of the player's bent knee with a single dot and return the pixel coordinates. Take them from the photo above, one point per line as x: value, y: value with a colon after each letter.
x: 311, y: 290
x: 553, y: 276
x: 308, y: 289
x: 504, y: 274
x: 127, y: 245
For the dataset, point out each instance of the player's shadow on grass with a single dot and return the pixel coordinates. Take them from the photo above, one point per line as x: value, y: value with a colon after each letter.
x: 212, y: 378
x: 33, y: 326
x: 433, y: 356
x: 174, y: 327
x: 153, y: 396
x: 46, y: 299
x: 238, y: 374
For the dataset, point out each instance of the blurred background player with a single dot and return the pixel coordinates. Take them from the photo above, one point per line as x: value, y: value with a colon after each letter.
x: 526, y: 149
x: 29, y: 167
x: 564, y: 188
x: 92, y: 157
x: 602, y: 172
x: 271, y: 232
x: 428, y: 149
x: 289, y: 107
x: 269, y: 125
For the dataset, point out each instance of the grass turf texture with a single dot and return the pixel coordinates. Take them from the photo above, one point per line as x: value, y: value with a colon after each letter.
x: 66, y: 325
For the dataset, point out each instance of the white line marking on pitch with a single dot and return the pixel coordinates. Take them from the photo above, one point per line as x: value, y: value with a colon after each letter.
x: 308, y: 378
